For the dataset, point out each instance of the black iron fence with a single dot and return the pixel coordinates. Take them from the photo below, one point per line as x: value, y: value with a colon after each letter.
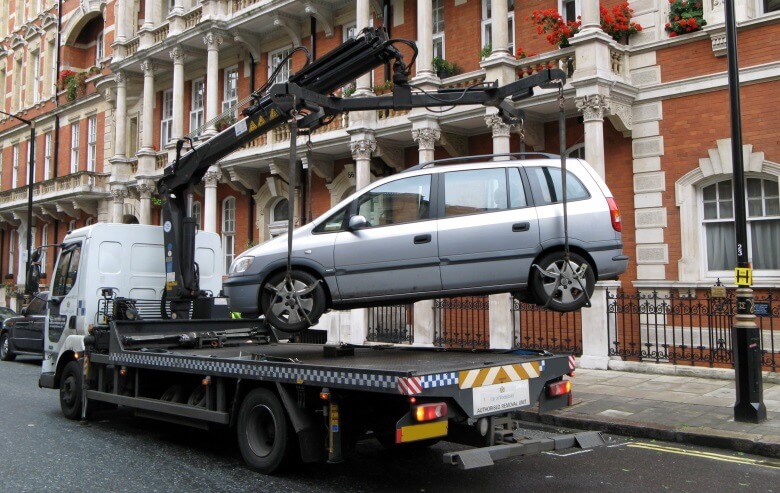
x: 535, y: 327
x: 687, y: 326
x: 391, y: 324
x: 462, y: 322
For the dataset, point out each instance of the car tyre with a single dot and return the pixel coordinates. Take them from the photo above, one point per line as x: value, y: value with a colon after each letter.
x: 5, y: 348
x: 70, y: 391
x: 281, y: 307
x: 569, y: 295
x: 265, y: 436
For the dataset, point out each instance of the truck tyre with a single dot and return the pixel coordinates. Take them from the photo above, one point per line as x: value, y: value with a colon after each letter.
x: 198, y: 397
x: 265, y: 436
x: 569, y: 296
x: 174, y: 393
x: 5, y: 348
x: 70, y: 390
x: 281, y: 308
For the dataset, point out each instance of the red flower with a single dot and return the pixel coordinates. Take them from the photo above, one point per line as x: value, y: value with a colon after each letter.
x: 672, y: 34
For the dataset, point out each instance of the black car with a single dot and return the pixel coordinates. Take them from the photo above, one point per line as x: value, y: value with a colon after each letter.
x: 23, y: 334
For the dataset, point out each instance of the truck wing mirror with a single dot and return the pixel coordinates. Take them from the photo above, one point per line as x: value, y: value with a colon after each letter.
x: 357, y: 222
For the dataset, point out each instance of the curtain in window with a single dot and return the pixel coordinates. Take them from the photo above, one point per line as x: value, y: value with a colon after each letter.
x: 721, y: 246
x: 765, y: 236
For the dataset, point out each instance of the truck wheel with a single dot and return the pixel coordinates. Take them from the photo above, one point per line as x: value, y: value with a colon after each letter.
x: 281, y: 308
x: 5, y: 348
x: 265, y: 436
x: 174, y: 393
x: 569, y: 295
x: 198, y: 397
x: 70, y: 391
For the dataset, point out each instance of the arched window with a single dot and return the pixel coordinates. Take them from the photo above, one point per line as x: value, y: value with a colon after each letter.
x: 278, y: 221
x: 72, y: 225
x: 576, y: 151
x: 229, y: 230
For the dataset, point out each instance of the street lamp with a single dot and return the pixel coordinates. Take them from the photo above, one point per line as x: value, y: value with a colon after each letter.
x: 30, y: 181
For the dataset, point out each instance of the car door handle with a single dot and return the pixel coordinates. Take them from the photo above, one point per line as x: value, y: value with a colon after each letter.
x: 420, y: 239
x: 520, y: 227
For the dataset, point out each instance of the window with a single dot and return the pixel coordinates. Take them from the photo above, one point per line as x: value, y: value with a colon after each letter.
x: 279, y: 59
x: 763, y: 223
x: 74, y: 147
x: 470, y: 192
x: 569, y: 9
x: 44, y: 250
x: 197, y: 214
x: 279, y: 216
x: 91, y: 143
x: 166, y: 123
x: 487, y: 24
x: 52, y: 61
x: 71, y: 225
x: 99, y: 48
x: 47, y: 156
x: 230, y: 93
x: 196, y: 105
x: 36, y: 77
x: 438, y: 28
x: 27, y: 162
x: 132, y: 137
x: 65, y: 277
x: 11, y: 251
x: 89, y: 222
x: 333, y: 223
x: 547, y: 187
x: 15, y: 165
x: 229, y: 231
x: 771, y: 6
x: 398, y: 202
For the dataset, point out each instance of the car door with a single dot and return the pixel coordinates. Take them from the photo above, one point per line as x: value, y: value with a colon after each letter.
x: 28, y: 330
x: 397, y: 252
x: 488, y: 233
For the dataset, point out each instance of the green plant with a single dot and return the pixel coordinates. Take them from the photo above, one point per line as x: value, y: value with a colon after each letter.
x: 348, y: 90
x: 72, y: 82
x: 444, y: 68
x: 684, y: 17
x: 384, y: 86
x: 156, y: 202
x: 485, y: 51
x: 224, y: 122
x: 617, y: 23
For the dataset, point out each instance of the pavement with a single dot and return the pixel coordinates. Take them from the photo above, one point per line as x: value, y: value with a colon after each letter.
x: 669, y: 403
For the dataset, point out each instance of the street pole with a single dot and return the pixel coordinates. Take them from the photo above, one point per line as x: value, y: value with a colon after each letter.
x: 30, y: 182
x: 745, y: 336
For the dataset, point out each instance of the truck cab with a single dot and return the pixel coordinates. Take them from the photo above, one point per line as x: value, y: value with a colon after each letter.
x: 110, y: 261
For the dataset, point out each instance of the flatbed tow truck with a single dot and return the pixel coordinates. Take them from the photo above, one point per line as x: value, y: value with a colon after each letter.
x: 288, y: 401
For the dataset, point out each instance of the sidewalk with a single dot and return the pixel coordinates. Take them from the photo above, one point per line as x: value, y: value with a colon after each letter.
x: 675, y: 408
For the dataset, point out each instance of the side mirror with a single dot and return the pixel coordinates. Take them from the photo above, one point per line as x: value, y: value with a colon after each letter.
x: 357, y: 222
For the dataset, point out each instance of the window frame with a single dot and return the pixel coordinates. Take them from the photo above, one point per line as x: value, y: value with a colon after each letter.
x: 44, y: 250
x: 74, y: 146
x: 228, y: 229
x: 284, y: 74
x: 92, y: 143
x: 486, y: 26
x: 197, y: 107
x: 166, y: 118
x: 15, y: 165
x: 437, y: 37
x: 227, y: 100
x: 99, y: 47
x: 47, y: 143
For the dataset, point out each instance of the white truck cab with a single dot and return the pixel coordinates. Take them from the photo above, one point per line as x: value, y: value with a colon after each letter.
x: 128, y: 260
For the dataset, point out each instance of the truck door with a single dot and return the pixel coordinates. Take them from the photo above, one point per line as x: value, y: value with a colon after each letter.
x: 64, y: 304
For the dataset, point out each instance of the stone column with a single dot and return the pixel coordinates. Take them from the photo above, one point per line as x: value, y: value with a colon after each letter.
x: 119, y: 192
x: 424, y: 324
x: 212, y: 42
x: 210, y: 180
x: 120, y: 148
x: 426, y: 138
x: 177, y: 55
x: 595, y: 336
x: 145, y: 190
x: 148, y: 15
x: 425, y: 39
x: 591, y: 16
x: 500, y: 131
x: 362, y: 19
x: 121, y: 21
x: 593, y: 107
x: 362, y: 146
x: 500, y: 28
x: 147, y: 137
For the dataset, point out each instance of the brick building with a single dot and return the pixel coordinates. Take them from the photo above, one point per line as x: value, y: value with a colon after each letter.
x: 651, y: 116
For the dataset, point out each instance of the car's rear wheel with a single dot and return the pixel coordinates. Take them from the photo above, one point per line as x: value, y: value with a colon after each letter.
x: 576, y: 280
x: 295, y: 304
x: 5, y: 348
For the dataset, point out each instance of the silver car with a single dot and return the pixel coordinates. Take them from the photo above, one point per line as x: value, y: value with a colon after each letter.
x: 436, y: 230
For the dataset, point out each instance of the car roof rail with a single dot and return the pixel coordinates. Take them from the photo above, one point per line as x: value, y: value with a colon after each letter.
x: 481, y: 157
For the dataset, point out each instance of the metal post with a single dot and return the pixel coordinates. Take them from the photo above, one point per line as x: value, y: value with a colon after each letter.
x: 745, y: 336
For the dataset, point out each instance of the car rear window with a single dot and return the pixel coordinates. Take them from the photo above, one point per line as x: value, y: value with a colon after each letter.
x: 547, y: 185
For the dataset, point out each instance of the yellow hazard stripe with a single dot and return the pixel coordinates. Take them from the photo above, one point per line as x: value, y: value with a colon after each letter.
x: 423, y: 431
x: 498, y: 374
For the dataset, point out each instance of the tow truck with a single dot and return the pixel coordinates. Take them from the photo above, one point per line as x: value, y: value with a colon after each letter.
x: 177, y: 361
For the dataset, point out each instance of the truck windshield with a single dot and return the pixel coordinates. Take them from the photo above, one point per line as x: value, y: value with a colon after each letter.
x: 67, y: 268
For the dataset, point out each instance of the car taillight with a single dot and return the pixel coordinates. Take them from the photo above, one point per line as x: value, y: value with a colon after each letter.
x: 559, y: 388
x: 430, y: 412
x: 614, y: 214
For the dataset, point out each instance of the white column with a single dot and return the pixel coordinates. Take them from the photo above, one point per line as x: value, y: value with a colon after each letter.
x: 147, y: 137
x: 120, y: 194
x: 362, y: 18
x: 362, y: 146
x: 591, y: 15
x: 595, y: 337
x: 593, y: 108
x: 121, y: 21
x: 426, y: 138
x: 500, y: 28
x: 210, y: 180
x: 177, y: 55
x: 212, y: 42
x: 148, y: 15
x: 424, y: 326
x: 500, y: 131
x: 145, y: 202
x: 120, y: 149
x: 425, y: 39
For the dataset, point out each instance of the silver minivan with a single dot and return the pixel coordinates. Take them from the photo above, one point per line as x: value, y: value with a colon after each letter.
x: 440, y: 229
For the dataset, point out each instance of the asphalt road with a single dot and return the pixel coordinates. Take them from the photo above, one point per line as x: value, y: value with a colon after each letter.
x: 42, y: 451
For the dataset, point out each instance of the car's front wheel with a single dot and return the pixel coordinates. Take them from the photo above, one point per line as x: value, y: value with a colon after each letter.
x: 5, y: 348
x: 293, y: 304
x: 575, y: 287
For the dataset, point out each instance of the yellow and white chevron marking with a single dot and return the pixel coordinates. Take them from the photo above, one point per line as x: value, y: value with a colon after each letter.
x: 498, y: 374
x: 708, y: 455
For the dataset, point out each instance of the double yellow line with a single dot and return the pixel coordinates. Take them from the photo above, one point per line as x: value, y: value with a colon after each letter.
x: 708, y: 455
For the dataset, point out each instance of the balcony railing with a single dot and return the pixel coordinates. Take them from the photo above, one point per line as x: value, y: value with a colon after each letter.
x: 159, y: 34
x: 73, y: 184
x: 192, y: 18
x: 563, y: 59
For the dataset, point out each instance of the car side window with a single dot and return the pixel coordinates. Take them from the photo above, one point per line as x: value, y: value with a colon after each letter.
x: 474, y: 191
x: 37, y: 306
x: 65, y: 277
x: 333, y: 223
x: 547, y: 184
x: 517, y: 196
x: 398, y: 202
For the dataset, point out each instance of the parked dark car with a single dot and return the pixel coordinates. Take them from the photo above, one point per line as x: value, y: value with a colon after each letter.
x: 23, y: 334
x: 6, y: 312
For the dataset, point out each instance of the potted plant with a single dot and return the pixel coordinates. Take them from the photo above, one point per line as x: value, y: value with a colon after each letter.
x: 485, y: 51
x: 443, y: 68
x: 617, y: 23
x: 551, y: 23
x: 684, y: 17
x: 224, y: 122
